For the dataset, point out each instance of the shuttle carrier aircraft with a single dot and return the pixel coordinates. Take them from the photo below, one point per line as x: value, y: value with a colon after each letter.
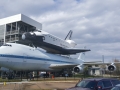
x: 21, y: 57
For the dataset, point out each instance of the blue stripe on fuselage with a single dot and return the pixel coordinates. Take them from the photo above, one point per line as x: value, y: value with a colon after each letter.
x: 35, y: 58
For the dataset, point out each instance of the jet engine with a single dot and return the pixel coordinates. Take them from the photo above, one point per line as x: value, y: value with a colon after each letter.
x: 78, y: 69
x: 111, y: 67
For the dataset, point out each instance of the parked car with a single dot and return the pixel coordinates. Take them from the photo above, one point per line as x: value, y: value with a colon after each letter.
x: 96, y: 84
x: 116, y: 87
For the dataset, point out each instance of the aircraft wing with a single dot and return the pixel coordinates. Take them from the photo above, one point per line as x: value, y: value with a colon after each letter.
x: 57, y: 66
x: 99, y: 63
x: 92, y: 62
x: 60, y: 66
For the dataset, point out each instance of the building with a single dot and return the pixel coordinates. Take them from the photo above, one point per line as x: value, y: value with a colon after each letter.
x: 12, y: 28
x: 96, y: 70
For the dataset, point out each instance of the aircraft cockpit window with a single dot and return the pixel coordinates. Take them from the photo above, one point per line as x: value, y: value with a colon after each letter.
x: 7, y: 45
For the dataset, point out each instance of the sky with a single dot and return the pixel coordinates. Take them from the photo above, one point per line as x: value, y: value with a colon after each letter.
x: 95, y: 23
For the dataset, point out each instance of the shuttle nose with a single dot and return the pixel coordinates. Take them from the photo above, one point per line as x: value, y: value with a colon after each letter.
x: 29, y: 36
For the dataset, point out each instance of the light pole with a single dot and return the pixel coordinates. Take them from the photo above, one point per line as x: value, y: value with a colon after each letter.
x: 102, y: 65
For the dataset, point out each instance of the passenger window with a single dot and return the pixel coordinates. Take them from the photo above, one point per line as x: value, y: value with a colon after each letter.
x: 115, y: 82
x: 107, y: 83
x: 100, y: 84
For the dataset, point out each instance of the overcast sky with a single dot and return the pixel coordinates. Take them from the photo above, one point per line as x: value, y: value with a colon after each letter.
x: 95, y: 23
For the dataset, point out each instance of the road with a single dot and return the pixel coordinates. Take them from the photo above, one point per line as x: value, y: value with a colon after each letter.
x: 39, y: 85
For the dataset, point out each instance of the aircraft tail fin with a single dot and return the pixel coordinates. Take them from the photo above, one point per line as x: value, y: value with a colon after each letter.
x: 69, y: 35
x: 82, y: 56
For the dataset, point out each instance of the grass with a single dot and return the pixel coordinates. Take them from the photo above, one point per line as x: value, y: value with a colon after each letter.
x: 9, y: 80
x: 75, y: 77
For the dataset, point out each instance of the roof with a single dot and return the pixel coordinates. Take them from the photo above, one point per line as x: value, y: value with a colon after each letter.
x: 118, y: 85
x: 97, y: 79
x: 20, y: 17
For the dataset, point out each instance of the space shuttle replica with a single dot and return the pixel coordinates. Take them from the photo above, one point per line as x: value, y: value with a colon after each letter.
x: 53, y: 44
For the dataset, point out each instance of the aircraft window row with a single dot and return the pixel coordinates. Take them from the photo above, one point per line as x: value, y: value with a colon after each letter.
x: 53, y: 38
x: 3, y: 55
x: 59, y: 40
x: 6, y: 45
x: 63, y: 45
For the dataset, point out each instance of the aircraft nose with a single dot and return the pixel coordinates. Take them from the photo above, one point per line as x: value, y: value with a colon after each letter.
x: 29, y: 36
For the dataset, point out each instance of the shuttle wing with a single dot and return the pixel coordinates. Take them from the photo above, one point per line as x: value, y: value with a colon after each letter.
x: 75, y: 50
x: 64, y: 51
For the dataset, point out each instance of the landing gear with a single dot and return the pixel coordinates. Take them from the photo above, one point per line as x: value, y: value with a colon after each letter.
x: 63, y: 73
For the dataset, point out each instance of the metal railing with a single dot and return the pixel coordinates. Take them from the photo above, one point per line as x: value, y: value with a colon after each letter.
x: 12, y: 32
x: 12, y: 39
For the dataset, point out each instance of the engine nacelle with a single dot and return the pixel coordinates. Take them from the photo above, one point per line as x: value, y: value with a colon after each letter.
x: 78, y: 69
x: 111, y: 67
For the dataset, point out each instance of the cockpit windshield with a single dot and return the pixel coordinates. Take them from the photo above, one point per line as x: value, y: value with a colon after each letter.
x: 37, y: 30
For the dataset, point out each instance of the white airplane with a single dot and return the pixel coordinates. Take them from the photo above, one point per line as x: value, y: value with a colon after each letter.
x: 53, y: 44
x: 22, y: 57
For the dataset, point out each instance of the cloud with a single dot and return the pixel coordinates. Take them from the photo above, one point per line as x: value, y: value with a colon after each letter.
x: 28, y: 7
x: 95, y: 23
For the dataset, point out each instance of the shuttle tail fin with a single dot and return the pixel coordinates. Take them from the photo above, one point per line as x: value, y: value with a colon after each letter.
x: 69, y: 35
